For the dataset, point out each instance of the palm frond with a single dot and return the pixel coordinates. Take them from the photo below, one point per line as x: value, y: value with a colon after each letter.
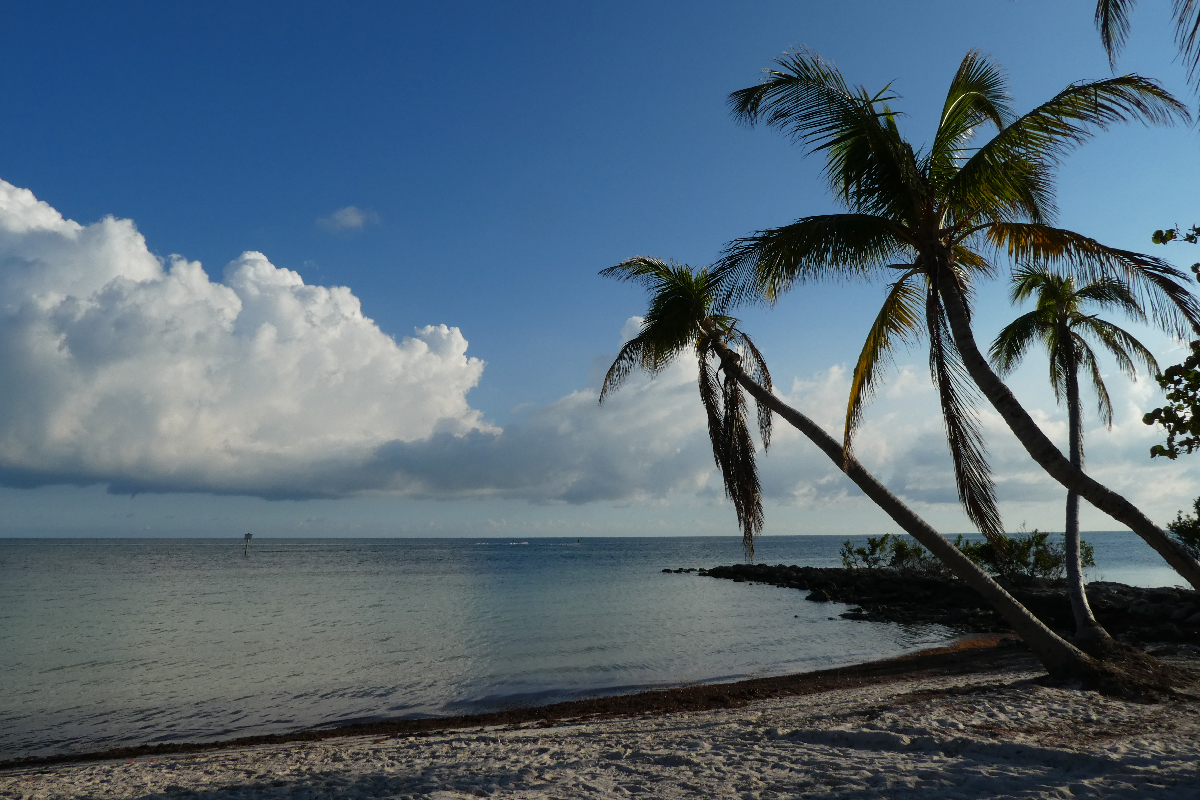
x: 1014, y: 340
x: 899, y: 321
x: 1078, y: 112
x: 957, y: 395
x: 733, y: 447
x: 1155, y: 283
x: 977, y: 95
x: 631, y: 356
x: 1086, y: 358
x: 970, y: 261
x: 867, y: 163
x: 1124, y: 347
x: 1110, y: 293
x: 739, y: 465
x: 829, y: 246
x: 755, y: 366
x: 1112, y: 20
x: 710, y: 397
x: 1187, y: 35
x: 1011, y: 175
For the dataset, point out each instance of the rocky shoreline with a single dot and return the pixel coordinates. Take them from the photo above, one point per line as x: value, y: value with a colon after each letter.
x: 1166, y: 618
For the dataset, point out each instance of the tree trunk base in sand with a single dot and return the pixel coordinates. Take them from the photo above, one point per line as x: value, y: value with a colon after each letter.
x: 1121, y: 670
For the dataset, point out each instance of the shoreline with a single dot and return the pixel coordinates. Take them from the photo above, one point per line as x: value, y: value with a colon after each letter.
x: 967, y: 655
x: 959, y: 723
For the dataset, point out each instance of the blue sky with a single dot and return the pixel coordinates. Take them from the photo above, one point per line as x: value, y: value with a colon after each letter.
x: 496, y: 158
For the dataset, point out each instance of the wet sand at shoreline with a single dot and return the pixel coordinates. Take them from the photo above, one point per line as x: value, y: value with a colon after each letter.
x: 969, y: 722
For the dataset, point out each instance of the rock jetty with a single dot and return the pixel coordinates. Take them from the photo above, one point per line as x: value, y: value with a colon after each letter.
x: 1139, y: 616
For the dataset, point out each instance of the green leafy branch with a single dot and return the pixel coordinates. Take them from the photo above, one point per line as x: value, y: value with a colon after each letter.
x: 1181, y: 384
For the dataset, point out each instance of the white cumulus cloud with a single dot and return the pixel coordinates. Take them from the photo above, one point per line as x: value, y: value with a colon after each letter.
x: 119, y: 368
x: 646, y: 442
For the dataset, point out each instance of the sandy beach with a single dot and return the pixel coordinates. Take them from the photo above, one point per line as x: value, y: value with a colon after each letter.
x: 986, y: 729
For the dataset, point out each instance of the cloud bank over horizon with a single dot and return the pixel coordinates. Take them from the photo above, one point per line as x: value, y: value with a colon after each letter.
x: 121, y: 369
x: 143, y: 375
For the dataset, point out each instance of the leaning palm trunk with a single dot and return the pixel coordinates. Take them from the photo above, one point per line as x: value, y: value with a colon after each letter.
x: 1043, y: 451
x: 1057, y: 655
x: 1086, y: 626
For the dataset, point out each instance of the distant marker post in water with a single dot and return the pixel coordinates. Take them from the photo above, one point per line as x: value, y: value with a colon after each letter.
x: 249, y: 536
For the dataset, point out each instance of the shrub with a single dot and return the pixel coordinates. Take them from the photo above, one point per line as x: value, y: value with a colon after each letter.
x: 870, y: 557
x: 1186, y: 530
x: 1024, y: 557
x: 889, y: 551
x: 912, y: 558
x: 1020, y: 558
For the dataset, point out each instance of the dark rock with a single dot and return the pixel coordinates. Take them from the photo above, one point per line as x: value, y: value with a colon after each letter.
x: 1168, y: 632
x: 1129, y: 613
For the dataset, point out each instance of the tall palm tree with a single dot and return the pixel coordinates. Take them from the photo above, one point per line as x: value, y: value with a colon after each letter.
x: 682, y: 316
x: 938, y: 220
x: 1112, y: 18
x: 1062, y: 325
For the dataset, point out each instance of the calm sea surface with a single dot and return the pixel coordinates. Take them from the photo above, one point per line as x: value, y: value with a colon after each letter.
x: 105, y: 642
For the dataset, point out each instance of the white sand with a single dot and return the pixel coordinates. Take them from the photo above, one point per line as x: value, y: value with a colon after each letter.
x: 988, y: 736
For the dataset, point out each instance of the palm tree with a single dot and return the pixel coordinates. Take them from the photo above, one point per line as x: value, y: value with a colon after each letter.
x: 682, y: 316
x: 1112, y: 18
x: 937, y: 220
x: 681, y: 301
x: 1061, y: 324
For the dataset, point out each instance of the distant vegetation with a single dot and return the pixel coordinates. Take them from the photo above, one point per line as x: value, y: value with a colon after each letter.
x: 1020, y: 559
x: 1186, y: 530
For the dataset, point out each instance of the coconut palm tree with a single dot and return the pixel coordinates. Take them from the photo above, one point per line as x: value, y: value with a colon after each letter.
x: 1062, y: 325
x: 1112, y: 18
x: 683, y: 316
x: 681, y: 300
x: 938, y: 220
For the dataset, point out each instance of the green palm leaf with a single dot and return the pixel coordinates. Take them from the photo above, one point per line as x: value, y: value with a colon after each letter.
x: 1154, y: 282
x: 1010, y: 176
x: 867, y: 163
x: 900, y: 321
x: 1060, y: 323
x: 681, y: 316
x: 829, y: 246
x: 958, y: 396
x: 1112, y: 19
x: 977, y: 95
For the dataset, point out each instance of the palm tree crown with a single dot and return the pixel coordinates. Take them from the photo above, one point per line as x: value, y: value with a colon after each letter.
x: 1060, y: 323
x: 682, y: 316
x: 937, y: 219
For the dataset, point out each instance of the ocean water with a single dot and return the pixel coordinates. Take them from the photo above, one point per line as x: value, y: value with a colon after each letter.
x: 106, y: 642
